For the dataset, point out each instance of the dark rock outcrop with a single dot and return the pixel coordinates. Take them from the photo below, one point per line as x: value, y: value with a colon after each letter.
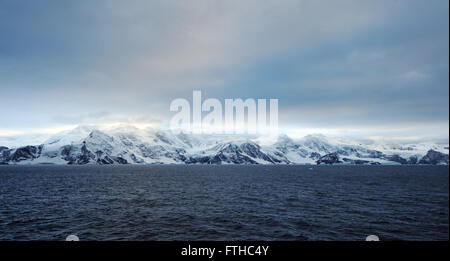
x: 397, y: 158
x: 120, y: 160
x: 4, y: 155
x: 254, y: 150
x: 26, y: 153
x: 314, y: 155
x: 434, y: 157
x: 86, y: 156
x: 331, y: 158
x: 413, y: 160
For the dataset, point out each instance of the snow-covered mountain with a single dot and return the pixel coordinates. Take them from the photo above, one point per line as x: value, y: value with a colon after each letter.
x: 130, y: 145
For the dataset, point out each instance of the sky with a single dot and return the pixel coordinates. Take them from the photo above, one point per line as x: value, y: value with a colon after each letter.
x: 364, y: 68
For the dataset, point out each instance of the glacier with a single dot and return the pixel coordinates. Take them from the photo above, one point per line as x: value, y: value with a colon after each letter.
x: 130, y: 145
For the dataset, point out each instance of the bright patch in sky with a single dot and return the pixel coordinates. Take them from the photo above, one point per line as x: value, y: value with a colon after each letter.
x: 350, y: 67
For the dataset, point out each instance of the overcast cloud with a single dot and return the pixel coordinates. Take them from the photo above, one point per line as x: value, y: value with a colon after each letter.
x: 368, y: 68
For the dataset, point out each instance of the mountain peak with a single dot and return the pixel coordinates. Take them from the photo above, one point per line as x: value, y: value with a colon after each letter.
x: 122, y: 144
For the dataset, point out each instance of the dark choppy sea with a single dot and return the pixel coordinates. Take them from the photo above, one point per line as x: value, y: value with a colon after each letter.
x: 169, y: 202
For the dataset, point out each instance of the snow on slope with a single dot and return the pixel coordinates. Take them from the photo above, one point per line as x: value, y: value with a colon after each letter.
x: 130, y: 145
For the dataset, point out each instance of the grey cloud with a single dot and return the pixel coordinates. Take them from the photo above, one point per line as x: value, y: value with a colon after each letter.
x: 367, y: 62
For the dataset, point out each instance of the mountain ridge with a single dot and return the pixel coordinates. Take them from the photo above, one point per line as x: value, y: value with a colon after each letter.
x: 129, y: 145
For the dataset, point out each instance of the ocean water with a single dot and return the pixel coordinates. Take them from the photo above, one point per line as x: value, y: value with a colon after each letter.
x: 169, y: 202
